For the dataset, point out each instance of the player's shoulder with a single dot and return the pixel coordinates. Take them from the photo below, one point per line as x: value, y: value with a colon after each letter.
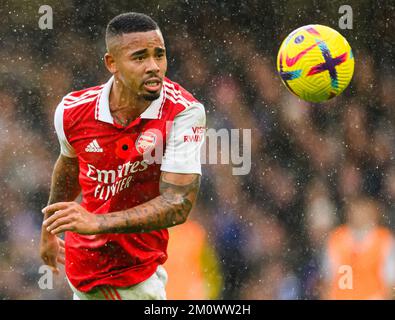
x: 81, y: 97
x: 384, y: 232
x: 339, y: 233
x: 180, y: 96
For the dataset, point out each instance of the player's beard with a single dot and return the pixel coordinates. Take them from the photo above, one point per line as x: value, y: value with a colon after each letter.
x: 151, y: 96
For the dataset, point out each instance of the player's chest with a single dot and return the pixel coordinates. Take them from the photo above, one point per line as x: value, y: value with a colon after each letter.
x: 110, y: 148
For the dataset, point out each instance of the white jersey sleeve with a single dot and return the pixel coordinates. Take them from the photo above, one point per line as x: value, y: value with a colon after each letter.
x: 65, y: 148
x: 185, y: 139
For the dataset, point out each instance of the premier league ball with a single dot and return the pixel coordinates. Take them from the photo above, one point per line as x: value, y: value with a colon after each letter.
x: 315, y: 63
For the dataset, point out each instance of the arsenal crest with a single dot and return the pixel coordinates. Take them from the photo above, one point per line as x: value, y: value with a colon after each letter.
x: 145, y: 142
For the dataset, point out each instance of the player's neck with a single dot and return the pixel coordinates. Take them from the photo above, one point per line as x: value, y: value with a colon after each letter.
x: 124, y: 105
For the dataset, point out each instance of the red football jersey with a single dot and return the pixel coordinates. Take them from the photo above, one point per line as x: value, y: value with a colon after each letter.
x: 117, y: 173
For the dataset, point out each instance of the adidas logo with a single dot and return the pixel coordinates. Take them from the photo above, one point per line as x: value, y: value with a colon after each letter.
x: 93, y: 147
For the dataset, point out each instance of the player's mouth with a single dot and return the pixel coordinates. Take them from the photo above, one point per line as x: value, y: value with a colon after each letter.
x: 153, y: 84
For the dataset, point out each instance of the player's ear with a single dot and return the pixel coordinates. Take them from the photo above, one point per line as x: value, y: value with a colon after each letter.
x: 109, y: 61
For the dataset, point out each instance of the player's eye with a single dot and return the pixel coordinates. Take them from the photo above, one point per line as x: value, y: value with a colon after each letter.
x: 138, y: 58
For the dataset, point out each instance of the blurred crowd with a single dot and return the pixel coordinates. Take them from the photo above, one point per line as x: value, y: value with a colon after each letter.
x: 322, y: 182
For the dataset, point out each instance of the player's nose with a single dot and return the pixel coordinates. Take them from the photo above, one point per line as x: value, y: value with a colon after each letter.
x: 152, y: 66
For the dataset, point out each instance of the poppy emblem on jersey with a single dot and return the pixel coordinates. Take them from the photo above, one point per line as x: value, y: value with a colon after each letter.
x: 145, y: 142
x: 123, y: 147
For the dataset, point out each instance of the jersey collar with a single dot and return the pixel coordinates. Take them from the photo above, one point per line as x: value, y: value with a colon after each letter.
x: 154, y: 110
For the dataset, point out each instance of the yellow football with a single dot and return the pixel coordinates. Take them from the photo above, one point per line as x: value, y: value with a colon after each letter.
x: 315, y: 63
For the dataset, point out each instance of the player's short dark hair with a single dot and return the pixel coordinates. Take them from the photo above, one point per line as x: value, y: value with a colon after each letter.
x: 129, y: 22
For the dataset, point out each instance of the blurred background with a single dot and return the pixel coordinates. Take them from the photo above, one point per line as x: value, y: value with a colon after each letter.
x: 321, y: 189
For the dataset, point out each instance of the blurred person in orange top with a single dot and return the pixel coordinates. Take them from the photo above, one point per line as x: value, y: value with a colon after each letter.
x: 192, y: 267
x: 359, y: 260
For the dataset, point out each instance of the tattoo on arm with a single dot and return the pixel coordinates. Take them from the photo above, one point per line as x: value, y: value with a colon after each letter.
x: 172, y: 207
